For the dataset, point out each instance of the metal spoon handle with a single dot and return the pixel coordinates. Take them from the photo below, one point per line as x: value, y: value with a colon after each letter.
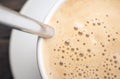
x: 24, y: 23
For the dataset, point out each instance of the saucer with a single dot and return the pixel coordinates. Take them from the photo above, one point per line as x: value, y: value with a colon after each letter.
x: 23, y: 55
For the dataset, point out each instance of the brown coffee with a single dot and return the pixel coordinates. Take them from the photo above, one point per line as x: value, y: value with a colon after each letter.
x: 86, y: 44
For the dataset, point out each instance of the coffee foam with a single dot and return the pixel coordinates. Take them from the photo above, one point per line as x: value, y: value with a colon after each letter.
x: 86, y: 43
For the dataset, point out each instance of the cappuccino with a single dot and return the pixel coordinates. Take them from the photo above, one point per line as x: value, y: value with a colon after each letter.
x: 86, y: 44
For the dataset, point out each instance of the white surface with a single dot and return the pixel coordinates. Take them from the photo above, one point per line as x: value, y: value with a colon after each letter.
x: 23, y: 46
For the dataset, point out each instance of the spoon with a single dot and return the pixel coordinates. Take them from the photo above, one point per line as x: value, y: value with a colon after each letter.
x: 24, y: 23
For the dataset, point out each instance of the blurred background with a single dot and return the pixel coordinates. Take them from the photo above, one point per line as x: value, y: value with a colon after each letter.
x: 5, y: 71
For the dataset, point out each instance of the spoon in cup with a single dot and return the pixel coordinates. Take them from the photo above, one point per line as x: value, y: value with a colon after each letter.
x: 21, y: 22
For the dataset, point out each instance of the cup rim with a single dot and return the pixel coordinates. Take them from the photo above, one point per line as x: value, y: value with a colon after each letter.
x: 39, y: 41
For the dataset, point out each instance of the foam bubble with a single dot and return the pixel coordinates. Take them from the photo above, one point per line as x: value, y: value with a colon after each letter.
x: 54, y: 49
x: 105, y: 50
x: 96, y: 19
x: 87, y: 22
x: 93, y: 24
x: 66, y: 43
x: 68, y: 48
x: 116, y: 32
x: 115, y: 76
x: 103, y: 45
x: 87, y: 35
x: 89, y: 50
x: 108, y: 73
x: 103, y: 54
x: 105, y: 77
x: 99, y: 24
x: 113, y: 39
x: 78, y: 40
x: 61, y: 63
x: 77, y: 59
x: 81, y: 54
x: 75, y: 53
x: 110, y: 60
x: 77, y: 49
x: 62, y: 57
x: 84, y: 43
x: 109, y: 69
x: 58, y: 50
x: 89, y: 56
x: 50, y: 73
x: 86, y: 66
x: 105, y: 71
x: 64, y: 74
x: 104, y: 26
x: 91, y: 32
x: 79, y: 74
x: 63, y: 51
x: 108, y: 40
x: 85, y: 57
x: 108, y: 36
x: 107, y: 15
x: 72, y: 49
x: 54, y: 63
x: 118, y: 68
x: 115, y: 62
x: 75, y: 28
x: 80, y: 33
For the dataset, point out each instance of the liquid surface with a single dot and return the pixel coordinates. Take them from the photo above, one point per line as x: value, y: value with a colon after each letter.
x: 87, y: 41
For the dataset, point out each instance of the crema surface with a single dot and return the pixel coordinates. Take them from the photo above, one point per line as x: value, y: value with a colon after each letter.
x: 86, y: 44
